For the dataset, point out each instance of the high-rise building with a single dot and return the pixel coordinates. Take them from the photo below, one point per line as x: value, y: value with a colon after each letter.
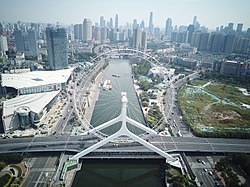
x: 216, y: 44
x: 168, y: 28
x: 111, y: 23
x: 203, y: 42
x: 87, y: 30
x: 104, y: 34
x: 116, y: 22
x: 142, y: 24
x: 97, y: 34
x: 137, y: 35
x: 195, y: 20
x: 1, y: 28
x: 33, y: 48
x: 239, y: 27
x: 102, y: 22
x: 229, y: 43
x: 190, y: 30
x: 19, y: 40
x: 230, y: 27
x: 151, y: 26
x: 57, y: 48
x: 134, y: 24
x: 144, y: 41
x: 3, y: 44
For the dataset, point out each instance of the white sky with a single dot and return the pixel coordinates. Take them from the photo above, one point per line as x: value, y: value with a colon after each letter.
x: 211, y: 13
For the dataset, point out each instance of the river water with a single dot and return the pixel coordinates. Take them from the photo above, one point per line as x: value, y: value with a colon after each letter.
x: 109, y: 103
x: 119, y: 173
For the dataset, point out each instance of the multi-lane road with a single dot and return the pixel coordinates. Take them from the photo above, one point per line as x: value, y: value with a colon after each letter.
x: 168, y: 144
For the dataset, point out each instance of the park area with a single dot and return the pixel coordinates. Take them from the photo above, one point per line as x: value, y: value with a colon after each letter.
x: 214, y: 109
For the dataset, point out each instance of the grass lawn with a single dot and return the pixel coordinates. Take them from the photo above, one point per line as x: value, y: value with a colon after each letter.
x: 215, y: 110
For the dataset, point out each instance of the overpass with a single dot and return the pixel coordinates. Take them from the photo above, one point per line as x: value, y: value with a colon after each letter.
x: 76, y: 144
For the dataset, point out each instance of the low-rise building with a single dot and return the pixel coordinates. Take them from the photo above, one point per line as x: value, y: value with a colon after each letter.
x: 36, y: 92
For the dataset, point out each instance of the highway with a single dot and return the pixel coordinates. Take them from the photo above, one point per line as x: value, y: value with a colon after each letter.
x: 168, y: 144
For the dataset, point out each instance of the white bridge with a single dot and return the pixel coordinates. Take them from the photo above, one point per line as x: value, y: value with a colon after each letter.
x: 124, y: 131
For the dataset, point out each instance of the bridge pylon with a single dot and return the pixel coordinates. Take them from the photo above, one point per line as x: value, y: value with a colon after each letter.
x: 123, y: 131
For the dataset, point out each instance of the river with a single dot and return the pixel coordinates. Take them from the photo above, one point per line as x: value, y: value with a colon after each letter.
x: 119, y: 173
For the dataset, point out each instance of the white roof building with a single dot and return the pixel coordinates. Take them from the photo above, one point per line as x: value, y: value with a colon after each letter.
x: 36, y: 78
x: 161, y: 72
x: 35, y: 102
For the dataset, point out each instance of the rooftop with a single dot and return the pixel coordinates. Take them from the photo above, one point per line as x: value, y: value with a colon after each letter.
x: 35, y: 78
x: 36, y: 102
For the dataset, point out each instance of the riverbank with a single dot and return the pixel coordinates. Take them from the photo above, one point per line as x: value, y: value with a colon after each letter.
x: 94, y: 92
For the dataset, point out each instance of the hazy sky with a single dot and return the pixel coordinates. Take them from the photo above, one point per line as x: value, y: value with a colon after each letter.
x: 210, y: 13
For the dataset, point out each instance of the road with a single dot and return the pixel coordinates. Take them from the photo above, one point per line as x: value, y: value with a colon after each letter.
x: 42, y: 170
x: 168, y: 144
x: 202, y: 168
x: 172, y: 111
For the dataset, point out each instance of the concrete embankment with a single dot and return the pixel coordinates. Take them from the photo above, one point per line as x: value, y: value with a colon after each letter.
x: 94, y: 92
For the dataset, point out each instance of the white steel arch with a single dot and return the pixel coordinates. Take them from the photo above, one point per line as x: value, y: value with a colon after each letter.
x: 123, y: 131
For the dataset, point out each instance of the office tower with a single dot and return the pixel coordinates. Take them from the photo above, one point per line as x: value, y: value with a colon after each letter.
x: 32, y: 37
x: 230, y: 27
x: 190, y: 30
x: 97, y: 34
x: 3, y: 44
x: 168, y: 28
x: 195, y: 20
x: 137, y: 35
x: 144, y: 41
x: 102, y: 22
x: 57, y: 48
x: 19, y: 41
x: 104, y: 34
x: 116, y: 22
x: 87, y: 30
x: 142, y: 24
x: 111, y: 23
x: 151, y: 26
x: 239, y: 27
x: 134, y: 26
x: 76, y: 32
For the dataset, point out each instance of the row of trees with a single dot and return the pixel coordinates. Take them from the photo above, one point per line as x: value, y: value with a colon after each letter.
x: 226, y: 79
x: 231, y: 179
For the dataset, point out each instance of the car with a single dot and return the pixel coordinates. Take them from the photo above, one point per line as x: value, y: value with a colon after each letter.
x: 198, y: 160
x: 204, y: 169
x: 210, y: 173
x: 203, y: 162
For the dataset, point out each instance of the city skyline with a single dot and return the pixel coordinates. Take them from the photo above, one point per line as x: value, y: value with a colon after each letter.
x: 181, y: 11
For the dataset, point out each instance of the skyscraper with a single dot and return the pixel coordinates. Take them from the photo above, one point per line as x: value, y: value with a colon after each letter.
x: 102, y: 21
x: 151, y: 26
x: 116, y: 22
x: 32, y: 36
x: 110, y: 23
x: 3, y: 44
x: 57, y: 48
x: 239, y: 27
x: 19, y: 40
x: 87, y: 30
x: 230, y: 27
x: 168, y: 28
x: 195, y: 20
x: 137, y: 35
